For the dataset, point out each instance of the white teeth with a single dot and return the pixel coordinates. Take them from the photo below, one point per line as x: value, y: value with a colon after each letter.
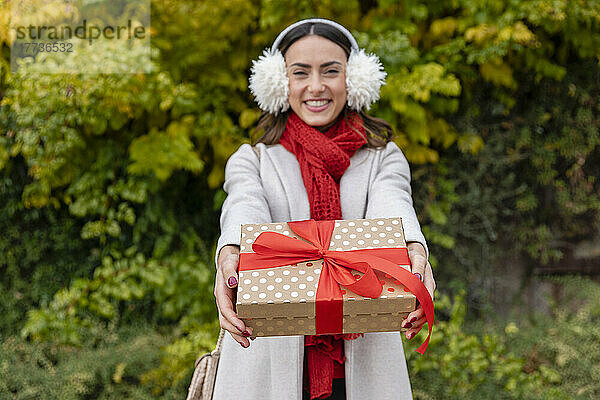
x: 316, y: 103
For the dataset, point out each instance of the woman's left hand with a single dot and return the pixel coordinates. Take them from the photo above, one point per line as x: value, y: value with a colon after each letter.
x: 422, y: 269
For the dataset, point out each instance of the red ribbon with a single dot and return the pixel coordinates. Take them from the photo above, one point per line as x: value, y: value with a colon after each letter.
x: 274, y: 250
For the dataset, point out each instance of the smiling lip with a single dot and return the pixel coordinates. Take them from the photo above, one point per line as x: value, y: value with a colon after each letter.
x: 317, y: 108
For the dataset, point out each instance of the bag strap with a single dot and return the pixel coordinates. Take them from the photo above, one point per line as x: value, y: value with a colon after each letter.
x: 217, y: 349
x: 216, y: 352
x: 205, y: 373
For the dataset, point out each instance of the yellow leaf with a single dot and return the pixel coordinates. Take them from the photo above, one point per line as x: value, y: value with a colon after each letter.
x: 498, y: 73
x: 118, y: 375
x: 419, y: 154
x: 442, y: 132
x: 511, y: 327
x: 481, y: 33
x: 417, y: 132
x: 522, y: 35
x: 248, y: 117
x: 216, y: 177
x: 443, y: 28
x: 505, y: 34
x: 470, y: 143
x: 4, y: 156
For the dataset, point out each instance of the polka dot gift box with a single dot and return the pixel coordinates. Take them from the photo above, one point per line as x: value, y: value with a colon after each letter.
x: 324, y: 277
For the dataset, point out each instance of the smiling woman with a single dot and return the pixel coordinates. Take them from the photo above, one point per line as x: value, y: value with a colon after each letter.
x: 316, y: 67
x: 320, y: 156
x: 272, y: 85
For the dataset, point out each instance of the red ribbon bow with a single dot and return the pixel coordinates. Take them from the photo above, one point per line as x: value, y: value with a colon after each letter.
x: 274, y: 250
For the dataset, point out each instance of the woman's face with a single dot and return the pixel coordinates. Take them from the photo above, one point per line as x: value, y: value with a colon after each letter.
x: 316, y: 69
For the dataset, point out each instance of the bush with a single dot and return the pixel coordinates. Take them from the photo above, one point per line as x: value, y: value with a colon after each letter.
x: 554, y: 356
x: 44, y: 371
x: 460, y: 365
x: 568, y: 339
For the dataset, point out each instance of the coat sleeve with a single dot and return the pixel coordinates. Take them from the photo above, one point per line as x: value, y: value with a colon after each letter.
x: 246, y: 201
x: 390, y: 194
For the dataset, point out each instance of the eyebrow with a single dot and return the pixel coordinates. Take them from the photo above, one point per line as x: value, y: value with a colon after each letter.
x: 324, y: 65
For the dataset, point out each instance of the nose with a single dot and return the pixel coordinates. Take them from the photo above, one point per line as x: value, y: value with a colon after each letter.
x: 316, y: 84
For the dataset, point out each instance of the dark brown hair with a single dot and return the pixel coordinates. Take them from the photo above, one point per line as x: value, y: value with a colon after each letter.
x: 270, y: 127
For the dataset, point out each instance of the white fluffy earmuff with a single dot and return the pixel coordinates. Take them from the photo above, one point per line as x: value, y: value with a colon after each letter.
x: 269, y: 82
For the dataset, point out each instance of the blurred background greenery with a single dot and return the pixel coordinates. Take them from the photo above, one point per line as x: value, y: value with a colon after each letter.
x: 110, y: 194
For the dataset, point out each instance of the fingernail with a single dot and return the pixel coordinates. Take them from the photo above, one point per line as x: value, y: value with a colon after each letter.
x: 412, y: 335
x: 413, y: 319
x: 418, y: 275
x: 246, y: 333
x: 244, y: 345
x: 408, y: 325
x: 232, y: 281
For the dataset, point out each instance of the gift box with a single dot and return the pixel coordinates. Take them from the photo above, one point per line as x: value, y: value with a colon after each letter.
x: 324, y: 277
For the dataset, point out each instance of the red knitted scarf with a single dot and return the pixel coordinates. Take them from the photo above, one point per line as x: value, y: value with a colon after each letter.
x: 323, y: 158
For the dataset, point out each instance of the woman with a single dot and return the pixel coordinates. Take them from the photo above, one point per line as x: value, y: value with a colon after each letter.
x: 320, y: 157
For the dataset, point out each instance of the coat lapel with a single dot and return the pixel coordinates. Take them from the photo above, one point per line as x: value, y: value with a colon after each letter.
x: 287, y: 170
x: 353, y: 185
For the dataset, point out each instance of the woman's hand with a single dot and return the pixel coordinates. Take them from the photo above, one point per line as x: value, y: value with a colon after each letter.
x: 226, y: 282
x: 422, y: 269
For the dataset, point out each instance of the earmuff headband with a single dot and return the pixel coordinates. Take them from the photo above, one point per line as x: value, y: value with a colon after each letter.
x: 269, y: 82
x: 339, y: 27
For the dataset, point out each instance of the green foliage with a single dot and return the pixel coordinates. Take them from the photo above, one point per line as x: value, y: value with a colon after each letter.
x: 38, y: 255
x: 460, y: 365
x: 566, y: 339
x: 110, y: 371
x: 172, y: 283
x: 531, y: 190
x: 179, y: 356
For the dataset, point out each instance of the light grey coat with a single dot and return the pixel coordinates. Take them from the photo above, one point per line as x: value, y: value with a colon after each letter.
x: 270, y: 189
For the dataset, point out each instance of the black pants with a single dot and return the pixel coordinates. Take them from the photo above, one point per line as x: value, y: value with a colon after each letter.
x: 338, y: 391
